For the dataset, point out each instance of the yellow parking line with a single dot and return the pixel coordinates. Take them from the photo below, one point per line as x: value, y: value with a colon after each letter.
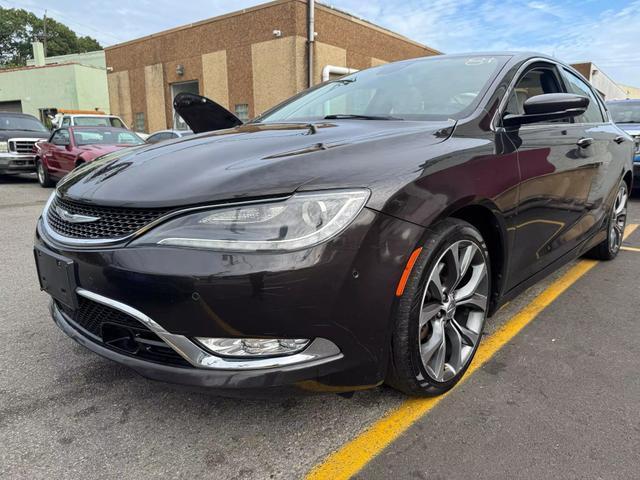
x: 354, y: 455
x: 630, y: 249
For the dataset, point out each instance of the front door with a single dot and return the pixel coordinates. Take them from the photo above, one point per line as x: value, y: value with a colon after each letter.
x: 557, y: 169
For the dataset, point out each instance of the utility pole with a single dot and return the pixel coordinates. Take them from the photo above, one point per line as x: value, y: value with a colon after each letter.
x: 311, y: 38
x: 44, y: 40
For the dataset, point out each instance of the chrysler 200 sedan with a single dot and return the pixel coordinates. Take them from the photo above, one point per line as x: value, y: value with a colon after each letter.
x: 360, y: 232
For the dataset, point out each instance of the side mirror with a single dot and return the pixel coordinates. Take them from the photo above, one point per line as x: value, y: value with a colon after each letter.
x: 549, y: 106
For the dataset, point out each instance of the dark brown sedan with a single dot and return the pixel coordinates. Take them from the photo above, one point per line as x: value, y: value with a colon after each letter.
x: 358, y: 233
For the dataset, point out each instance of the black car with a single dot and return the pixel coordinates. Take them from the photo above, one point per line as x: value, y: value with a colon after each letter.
x: 358, y: 233
x: 18, y: 134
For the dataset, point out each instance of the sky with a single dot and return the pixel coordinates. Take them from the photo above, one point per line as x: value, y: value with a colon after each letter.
x: 606, y: 32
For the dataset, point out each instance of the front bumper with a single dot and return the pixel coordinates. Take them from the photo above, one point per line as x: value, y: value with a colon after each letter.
x: 17, y: 163
x: 341, y: 291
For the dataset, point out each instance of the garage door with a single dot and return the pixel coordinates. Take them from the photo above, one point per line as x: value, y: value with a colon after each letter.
x: 13, y: 106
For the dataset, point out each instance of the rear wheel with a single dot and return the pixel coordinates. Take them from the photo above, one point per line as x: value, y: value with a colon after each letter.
x: 43, y: 174
x: 609, y: 248
x: 442, y: 311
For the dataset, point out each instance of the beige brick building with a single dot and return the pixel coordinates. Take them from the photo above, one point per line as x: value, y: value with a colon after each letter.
x: 247, y: 61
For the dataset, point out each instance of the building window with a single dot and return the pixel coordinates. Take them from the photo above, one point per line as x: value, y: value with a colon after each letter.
x: 242, y: 111
x: 138, y: 122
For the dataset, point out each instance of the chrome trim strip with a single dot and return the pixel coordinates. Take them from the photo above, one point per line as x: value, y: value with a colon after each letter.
x: 109, y: 242
x: 319, y: 351
x: 495, y: 121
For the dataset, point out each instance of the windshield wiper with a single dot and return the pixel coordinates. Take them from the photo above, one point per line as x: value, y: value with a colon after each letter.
x: 340, y: 116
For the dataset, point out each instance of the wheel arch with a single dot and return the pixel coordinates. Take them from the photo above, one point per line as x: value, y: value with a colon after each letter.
x: 493, y: 230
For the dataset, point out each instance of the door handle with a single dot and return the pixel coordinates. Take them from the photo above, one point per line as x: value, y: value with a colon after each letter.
x: 619, y: 139
x: 584, y: 142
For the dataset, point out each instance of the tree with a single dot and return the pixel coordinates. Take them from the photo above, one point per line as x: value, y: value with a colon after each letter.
x: 18, y: 28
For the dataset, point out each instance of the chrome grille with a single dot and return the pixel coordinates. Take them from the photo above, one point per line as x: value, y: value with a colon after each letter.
x: 112, y: 223
x: 21, y: 145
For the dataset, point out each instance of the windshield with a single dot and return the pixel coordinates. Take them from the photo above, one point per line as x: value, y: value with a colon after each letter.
x: 625, y: 112
x: 106, y: 136
x: 433, y: 88
x: 11, y: 122
x: 98, y: 122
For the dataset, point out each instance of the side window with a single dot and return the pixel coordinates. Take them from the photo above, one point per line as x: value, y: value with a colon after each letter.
x: 66, y: 121
x: 579, y: 87
x: 61, y: 137
x: 115, y: 122
x: 536, y: 81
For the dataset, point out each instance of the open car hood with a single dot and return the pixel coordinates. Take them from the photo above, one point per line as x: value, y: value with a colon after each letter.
x: 203, y: 114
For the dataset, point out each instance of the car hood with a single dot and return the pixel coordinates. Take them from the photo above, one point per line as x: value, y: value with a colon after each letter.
x: 7, y: 134
x: 256, y: 160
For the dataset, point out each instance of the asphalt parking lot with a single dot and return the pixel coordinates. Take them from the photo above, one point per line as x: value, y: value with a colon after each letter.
x: 559, y: 400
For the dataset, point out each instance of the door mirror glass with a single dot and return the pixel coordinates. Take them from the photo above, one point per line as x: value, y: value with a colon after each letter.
x: 546, y: 107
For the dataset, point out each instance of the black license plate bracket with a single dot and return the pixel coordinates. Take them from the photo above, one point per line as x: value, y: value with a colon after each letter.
x: 57, y: 276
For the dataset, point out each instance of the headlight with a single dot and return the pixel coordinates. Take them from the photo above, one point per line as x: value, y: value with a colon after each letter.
x: 301, y: 221
x: 4, y: 147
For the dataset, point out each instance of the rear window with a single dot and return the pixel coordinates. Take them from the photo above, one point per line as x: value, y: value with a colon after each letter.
x: 98, y: 122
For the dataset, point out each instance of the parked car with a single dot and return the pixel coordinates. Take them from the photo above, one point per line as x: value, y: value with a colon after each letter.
x: 18, y: 134
x: 626, y: 114
x: 92, y: 120
x: 70, y: 147
x: 163, y: 135
x: 358, y: 233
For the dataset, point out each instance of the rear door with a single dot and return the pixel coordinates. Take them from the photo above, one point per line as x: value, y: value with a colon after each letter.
x: 554, y: 211
x: 607, y: 150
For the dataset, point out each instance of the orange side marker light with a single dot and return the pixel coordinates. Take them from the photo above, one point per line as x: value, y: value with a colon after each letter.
x: 407, y: 271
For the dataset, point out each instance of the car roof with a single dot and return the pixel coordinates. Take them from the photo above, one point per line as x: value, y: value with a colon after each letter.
x: 93, y: 115
x: 17, y: 114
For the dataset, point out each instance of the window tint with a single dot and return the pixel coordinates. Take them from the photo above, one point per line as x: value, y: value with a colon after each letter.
x: 579, y: 87
x: 61, y: 137
x: 534, y: 82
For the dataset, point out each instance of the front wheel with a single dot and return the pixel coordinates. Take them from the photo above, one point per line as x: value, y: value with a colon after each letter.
x: 43, y: 175
x: 442, y: 311
x: 608, y: 249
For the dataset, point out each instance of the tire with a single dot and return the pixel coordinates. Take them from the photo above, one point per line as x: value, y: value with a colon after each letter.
x: 429, y: 317
x: 43, y: 175
x: 616, y: 223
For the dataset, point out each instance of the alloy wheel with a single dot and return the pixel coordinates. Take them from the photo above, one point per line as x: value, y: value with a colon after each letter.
x: 618, y: 219
x: 453, y: 310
